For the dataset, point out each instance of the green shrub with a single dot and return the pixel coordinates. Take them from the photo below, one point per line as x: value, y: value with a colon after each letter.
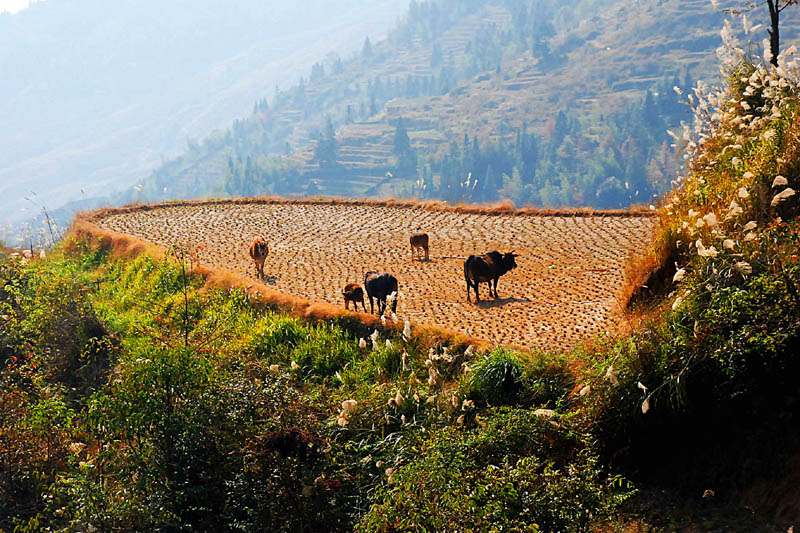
x: 326, y: 351
x: 496, y: 379
x: 517, y: 472
x: 545, y: 379
x: 275, y: 337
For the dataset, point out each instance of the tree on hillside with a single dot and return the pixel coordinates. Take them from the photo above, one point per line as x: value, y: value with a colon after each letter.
x: 776, y: 7
x: 406, y: 158
x: 325, y: 150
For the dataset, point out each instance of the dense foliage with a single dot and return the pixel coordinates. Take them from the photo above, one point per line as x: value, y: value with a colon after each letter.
x: 708, y: 387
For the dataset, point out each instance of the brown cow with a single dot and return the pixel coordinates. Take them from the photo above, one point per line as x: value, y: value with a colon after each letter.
x: 353, y: 293
x: 487, y: 268
x: 259, y: 251
x: 419, y: 242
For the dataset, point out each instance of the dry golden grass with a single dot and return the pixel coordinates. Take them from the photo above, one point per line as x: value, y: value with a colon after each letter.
x: 568, y: 286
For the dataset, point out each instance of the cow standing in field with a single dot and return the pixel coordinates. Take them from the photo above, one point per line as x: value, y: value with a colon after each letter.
x: 487, y: 268
x: 380, y: 285
x: 258, y: 252
x: 419, y: 242
x: 353, y: 293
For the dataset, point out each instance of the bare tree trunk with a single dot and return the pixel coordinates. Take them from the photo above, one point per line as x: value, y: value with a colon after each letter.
x: 774, y: 33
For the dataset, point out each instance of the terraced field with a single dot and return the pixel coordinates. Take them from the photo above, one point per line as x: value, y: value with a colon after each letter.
x: 564, y: 290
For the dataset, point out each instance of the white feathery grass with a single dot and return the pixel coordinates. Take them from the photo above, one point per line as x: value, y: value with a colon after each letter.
x: 710, y: 220
x: 743, y: 267
x: 348, y: 406
x: 779, y: 181
x: 781, y: 196
x: 407, y: 330
x: 702, y: 251
x: 611, y: 376
x: 734, y: 209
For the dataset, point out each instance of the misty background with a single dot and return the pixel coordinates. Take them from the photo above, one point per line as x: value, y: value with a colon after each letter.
x: 94, y: 95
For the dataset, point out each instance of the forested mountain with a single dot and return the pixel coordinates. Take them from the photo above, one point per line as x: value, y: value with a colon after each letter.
x: 93, y: 95
x: 545, y: 102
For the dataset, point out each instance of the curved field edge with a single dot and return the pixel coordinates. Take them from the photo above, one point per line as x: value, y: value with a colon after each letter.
x: 296, y: 298
x: 121, y: 245
x: 504, y: 208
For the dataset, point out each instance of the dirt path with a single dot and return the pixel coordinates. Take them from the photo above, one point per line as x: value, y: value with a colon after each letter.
x: 564, y: 290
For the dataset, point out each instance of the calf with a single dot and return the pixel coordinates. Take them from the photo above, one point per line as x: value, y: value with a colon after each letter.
x: 258, y: 252
x: 419, y: 242
x: 380, y: 285
x: 487, y: 268
x: 353, y: 293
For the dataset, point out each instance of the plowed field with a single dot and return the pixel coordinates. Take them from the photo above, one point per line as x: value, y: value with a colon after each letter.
x: 570, y: 268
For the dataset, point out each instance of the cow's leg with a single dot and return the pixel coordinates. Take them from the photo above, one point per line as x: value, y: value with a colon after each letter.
x: 371, y: 308
x: 347, y: 304
x: 381, y: 305
x: 362, y: 305
x: 495, y: 287
x: 477, y: 297
x: 427, y: 258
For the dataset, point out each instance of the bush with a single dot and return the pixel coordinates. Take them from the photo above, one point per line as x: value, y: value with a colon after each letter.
x: 496, y: 379
x: 275, y: 337
x: 517, y: 472
x: 326, y: 351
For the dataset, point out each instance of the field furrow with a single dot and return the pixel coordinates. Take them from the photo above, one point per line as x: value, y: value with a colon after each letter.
x: 565, y: 288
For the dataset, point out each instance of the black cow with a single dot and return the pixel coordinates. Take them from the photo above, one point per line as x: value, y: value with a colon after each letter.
x: 487, y: 268
x: 380, y: 285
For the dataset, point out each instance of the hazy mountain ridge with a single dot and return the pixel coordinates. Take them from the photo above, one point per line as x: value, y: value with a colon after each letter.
x: 96, y: 95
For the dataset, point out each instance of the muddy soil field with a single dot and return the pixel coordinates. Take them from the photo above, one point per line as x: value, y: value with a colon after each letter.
x: 565, y: 289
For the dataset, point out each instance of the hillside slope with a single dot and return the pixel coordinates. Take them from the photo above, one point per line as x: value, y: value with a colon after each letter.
x: 588, y: 87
